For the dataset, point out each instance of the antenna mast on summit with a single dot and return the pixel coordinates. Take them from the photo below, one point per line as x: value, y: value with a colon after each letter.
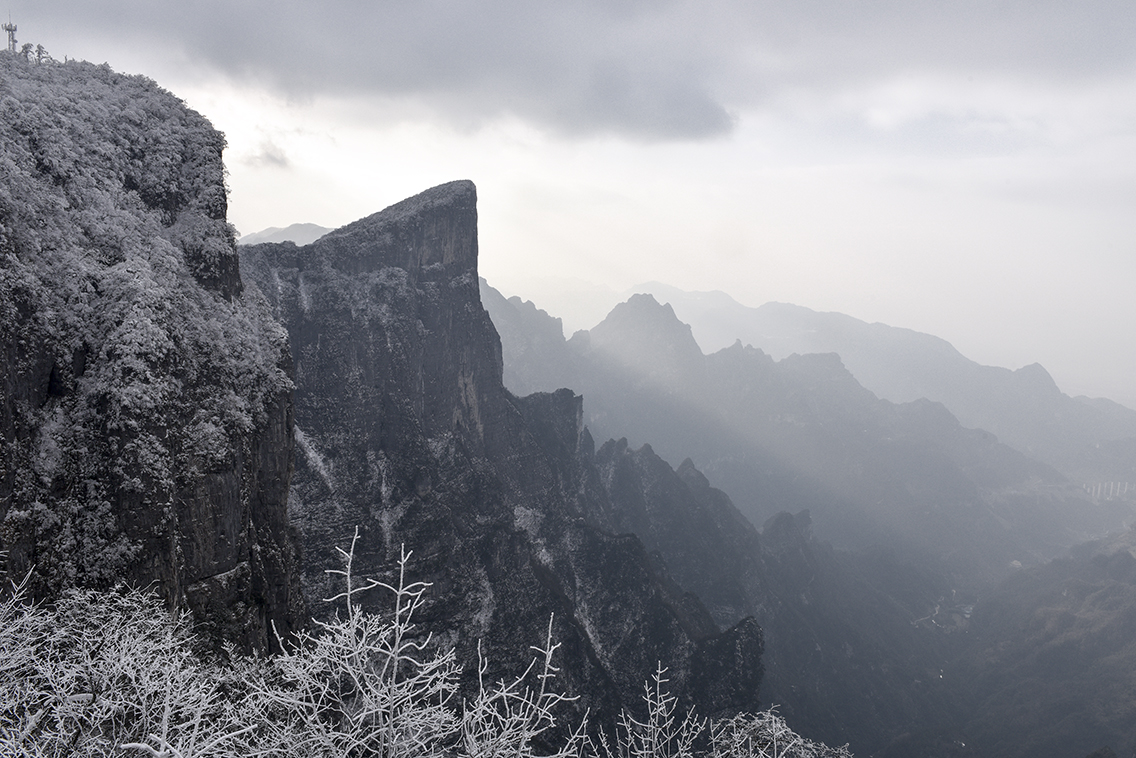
x: 11, y: 29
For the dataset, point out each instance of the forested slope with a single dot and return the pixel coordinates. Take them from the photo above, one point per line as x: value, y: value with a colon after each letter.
x: 146, y: 405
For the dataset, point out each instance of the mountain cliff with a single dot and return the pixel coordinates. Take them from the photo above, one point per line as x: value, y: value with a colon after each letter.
x: 159, y: 429
x: 405, y: 429
x: 146, y: 413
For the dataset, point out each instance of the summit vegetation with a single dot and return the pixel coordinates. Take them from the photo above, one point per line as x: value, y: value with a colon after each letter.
x: 138, y: 379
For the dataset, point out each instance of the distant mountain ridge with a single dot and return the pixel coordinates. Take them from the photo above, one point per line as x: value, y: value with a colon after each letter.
x: 1089, y: 439
x: 300, y: 234
x: 931, y: 516
x: 803, y: 433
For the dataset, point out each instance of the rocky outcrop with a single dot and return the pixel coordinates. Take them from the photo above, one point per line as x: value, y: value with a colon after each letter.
x: 146, y: 413
x: 405, y: 430
x: 708, y: 546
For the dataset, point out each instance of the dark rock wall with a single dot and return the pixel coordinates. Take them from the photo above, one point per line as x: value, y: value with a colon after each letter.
x: 405, y: 430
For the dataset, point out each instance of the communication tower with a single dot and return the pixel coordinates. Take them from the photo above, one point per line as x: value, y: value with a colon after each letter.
x: 11, y: 29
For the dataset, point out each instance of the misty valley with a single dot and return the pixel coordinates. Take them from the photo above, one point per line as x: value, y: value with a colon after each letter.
x: 346, y: 498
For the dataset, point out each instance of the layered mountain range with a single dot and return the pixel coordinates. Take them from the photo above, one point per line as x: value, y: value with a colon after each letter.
x: 803, y: 433
x: 300, y: 234
x: 1088, y: 439
x: 216, y: 422
x: 876, y: 642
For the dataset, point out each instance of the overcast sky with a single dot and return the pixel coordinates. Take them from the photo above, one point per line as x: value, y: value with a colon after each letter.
x: 964, y: 168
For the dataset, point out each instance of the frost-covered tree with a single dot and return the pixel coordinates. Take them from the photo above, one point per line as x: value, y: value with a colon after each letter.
x: 116, y: 674
x: 766, y: 735
x: 100, y: 672
x: 664, y: 733
x: 362, y: 684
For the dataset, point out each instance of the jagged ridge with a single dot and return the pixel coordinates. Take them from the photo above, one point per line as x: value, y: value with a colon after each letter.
x: 408, y: 432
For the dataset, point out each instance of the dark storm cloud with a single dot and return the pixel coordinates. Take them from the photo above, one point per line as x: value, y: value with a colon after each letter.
x: 647, y: 70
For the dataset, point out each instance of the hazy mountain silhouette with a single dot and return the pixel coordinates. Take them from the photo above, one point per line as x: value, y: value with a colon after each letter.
x: 1050, y: 660
x: 841, y: 648
x: 803, y: 433
x: 933, y: 514
x: 1023, y: 408
x: 301, y: 234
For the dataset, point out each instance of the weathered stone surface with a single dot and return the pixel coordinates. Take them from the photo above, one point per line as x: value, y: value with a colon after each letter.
x: 405, y: 430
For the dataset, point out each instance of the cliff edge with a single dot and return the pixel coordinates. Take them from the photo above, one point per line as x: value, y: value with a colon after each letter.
x: 405, y: 429
x: 146, y: 408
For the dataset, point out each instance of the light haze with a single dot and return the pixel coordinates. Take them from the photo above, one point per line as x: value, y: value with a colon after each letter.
x: 967, y: 170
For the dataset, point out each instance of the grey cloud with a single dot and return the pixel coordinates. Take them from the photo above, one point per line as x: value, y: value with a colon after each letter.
x: 671, y: 69
x: 269, y: 154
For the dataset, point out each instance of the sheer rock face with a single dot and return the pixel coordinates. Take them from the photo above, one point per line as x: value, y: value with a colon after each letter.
x: 146, y: 414
x: 405, y: 430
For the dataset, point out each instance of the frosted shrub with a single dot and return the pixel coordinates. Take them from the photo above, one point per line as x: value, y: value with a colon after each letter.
x: 115, y: 674
x: 363, y: 684
x: 765, y: 735
x: 106, y: 672
x: 506, y: 718
x: 662, y: 734
x: 747, y: 735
